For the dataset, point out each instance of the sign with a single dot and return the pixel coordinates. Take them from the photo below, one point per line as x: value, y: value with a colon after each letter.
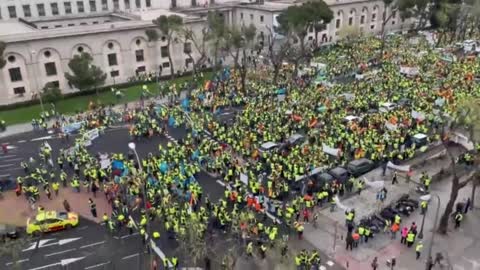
x: 462, y: 140
x: 105, y: 161
x: 330, y: 150
x: 90, y: 136
x: 410, y: 71
x: 72, y: 127
x: 244, y: 178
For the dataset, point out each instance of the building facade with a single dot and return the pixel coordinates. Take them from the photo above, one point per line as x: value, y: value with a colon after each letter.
x: 40, y: 47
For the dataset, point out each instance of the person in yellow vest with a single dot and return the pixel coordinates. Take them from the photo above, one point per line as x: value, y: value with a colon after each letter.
x: 424, y: 206
x: 250, y: 249
x: 55, y: 187
x: 418, y: 249
x: 410, y: 238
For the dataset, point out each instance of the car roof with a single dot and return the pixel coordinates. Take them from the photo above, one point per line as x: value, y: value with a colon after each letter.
x: 295, y: 137
x: 359, y: 161
x: 338, y: 170
x: 46, y: 215
x: 268, y: 145
x: 420, y: 136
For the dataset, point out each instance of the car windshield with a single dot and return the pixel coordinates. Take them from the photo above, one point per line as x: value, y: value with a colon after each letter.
x: 62, y: 215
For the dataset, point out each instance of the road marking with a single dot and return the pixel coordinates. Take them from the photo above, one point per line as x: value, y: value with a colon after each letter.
x: 94, y: 244
x: 41, y: 243
x: 12, y: 159
x: 41, y: 138
x: 8, y: 156
x: 128, y: 235
x: 60, y: 252
x: 221, y: 183
x: 22, y: 141
x: 10, y: 147
x: 17, y: 262
x: 322, y: 267
x: 96, y: 265
x: 5, y: 175
x: 62, y: 262
x: 7, y: 165
x: 130, y: 256
x: 330, y: 263
x: 82, y: 228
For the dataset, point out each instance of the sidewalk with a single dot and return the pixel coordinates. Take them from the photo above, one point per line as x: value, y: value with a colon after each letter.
x: 329, y: 237
x: 16, y: 210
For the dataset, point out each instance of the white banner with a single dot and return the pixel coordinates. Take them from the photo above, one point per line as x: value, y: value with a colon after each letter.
x: 92, y: 134
x: 390, y: 126
x: 418, y: 115
x: 244, y: 178
x: 105, y: 161
x: 331, y: 151
x: 462, y: 140
x: 404, y: 168
x: 411, y: 71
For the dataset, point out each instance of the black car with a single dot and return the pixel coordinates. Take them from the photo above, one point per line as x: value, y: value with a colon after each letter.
x: 360, y: 166
x: 339, y: 173
x: 8, y: 232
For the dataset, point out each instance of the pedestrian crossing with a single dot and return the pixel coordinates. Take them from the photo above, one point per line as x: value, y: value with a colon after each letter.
x: 170, y: 138
x: 9, y: 163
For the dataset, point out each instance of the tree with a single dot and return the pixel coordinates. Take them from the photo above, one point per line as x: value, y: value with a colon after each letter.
x: 278, y: 50
x: 468, y: 120
x: 84, y: 75
x: 299, y: 19
x: 51, y: 93
x: 218, y: 30
x: 248, y: 37
x: 169, y: 25
x: 2, y: 60
x: 199, y: 44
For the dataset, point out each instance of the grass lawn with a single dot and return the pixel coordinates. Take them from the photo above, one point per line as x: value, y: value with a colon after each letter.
x: 80, y: 103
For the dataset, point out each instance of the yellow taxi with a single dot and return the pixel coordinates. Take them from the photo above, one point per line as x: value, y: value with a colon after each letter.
x: 51, y: 221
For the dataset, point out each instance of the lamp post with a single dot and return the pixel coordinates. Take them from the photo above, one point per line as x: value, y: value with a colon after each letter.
x: 433, y: 232
x: 423, y: 198
x: 132, y: 147
x: 32, y: 57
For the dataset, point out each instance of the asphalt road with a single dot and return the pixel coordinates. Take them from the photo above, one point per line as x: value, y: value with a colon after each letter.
x: 90, y: 246
x: 87, y: 246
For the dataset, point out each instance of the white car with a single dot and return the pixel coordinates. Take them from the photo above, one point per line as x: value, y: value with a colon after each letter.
x: 387, y: 106
x: 268, y: 146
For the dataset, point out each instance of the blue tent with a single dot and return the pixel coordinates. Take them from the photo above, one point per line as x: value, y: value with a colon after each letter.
x: 163, y: 167
x: 186, y: 104
x: 118, y: 165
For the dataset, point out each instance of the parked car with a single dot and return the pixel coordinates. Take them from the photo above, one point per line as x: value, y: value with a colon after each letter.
x: 360, y: 166
x: 8, y: 232
x: 339, y: 173
x: 268, y: 146
x: 420, y: 139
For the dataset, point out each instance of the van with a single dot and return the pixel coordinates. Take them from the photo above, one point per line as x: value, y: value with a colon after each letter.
x: 360, y: 166
x: 339, y: 173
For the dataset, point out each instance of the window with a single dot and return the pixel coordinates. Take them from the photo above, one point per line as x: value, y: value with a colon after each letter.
x: 80, y: 49
x: 54, y: 7
x: 394, y: 14
x: 58, y: 26
x: 116, y: 5
x: 80, y: 7
x: 139, y: 55
x: 140, y: 69
x: 164, y: 51
x: 173, y: 3
x: 393, y: 22
x: 350, y: 21
x: 47, y: 54
x: 337, y: 23
x: 19, y: 90
x: 83, y: 23
x: 374, y: 17
x: 55, y: 84
x: 93, y: 6
x: 94, y: 22
x: 0, y: 13
x: 15, y: 74
x: 261, y: 18
x: 187, y: 47
x: 12, y: 12
x: 44, y: 27
x: 362, y: 19
x: 165, y: 65
x: 71, y: 24
x: 193, y: 3
x: 251, y: 17
x: 241, y: 15
x: 11, y: 59
x: 50, y: 69
x: 114, y: 73
x: 68, y: 7
x: 110, y: 45
x: 148, y: 3
x: 137, y: 3
x: 104, y: 5
x: 127, y: 4
x: 41, y: 10
x: 26, y: 11
x: 372, y: 26
x: 112, y: 59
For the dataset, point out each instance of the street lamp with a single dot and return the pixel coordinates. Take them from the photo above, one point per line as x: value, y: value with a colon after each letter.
x: 433, y: 232
x: 423, y: 198
x: 32, y: 57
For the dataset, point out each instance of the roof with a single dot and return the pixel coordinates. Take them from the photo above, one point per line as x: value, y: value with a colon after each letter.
x: 420, y: 136
x: 268, y: 145
x: 46, y: 215
x: 15, y: 27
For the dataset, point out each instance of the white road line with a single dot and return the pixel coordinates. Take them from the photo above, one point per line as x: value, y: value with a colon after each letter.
x: 17, y: 262
x: 130, y: 256
x: 5, y: 175
x: 12, y: 159
x: 221, y: 183
x: 7, y: 165
x: 96, y: 265
x: 91, y: 245
x: 128, y: 235
x: 22, y: 141
x: 330, y: 263
x: 116, y: 237
x: 13, y: 169
x: 7, y: 156
x: 322, y: 267
x: 60, y: 252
